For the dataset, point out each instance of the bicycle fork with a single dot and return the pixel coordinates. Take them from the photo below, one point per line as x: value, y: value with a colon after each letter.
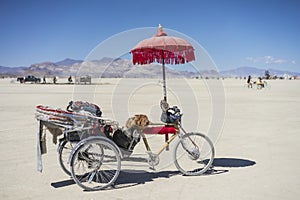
x: 192, y: 149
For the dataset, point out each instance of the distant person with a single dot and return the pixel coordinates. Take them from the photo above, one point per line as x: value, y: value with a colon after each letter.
x: 44, y: 80
x: 70, y: 79
x: 54, y: 79
x: 267, y: 74
x: 259, y: 83
x: 249, y: 82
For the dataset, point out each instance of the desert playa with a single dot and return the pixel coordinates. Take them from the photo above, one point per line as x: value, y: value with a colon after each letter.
x: 257, y: 151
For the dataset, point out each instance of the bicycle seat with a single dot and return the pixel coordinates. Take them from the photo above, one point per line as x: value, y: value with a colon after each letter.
x: 162, y: 130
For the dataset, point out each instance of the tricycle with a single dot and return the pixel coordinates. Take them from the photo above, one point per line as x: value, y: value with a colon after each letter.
x: 91, y: 148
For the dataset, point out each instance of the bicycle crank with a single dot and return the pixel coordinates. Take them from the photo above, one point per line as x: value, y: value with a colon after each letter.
x: 153, y: 160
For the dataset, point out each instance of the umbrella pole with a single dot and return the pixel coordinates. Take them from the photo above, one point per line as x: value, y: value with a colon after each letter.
x: 165, y: 95
x: 164, y: 79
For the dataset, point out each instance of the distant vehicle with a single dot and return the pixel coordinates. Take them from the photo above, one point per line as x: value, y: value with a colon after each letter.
x: 29, y: 78
x: 83, y: 79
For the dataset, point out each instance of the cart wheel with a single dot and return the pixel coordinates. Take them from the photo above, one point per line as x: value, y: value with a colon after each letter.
x: 193, y: 154
x: 95, y: 164
x: 64, y: 150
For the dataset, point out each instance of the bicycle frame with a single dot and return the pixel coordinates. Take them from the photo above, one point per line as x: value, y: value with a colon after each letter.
x: 165, y: 145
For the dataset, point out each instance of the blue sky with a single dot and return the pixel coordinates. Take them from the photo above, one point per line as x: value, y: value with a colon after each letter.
x: 263, y: 34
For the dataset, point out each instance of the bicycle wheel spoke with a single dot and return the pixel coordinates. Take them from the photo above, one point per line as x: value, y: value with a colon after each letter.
x: 92, y: 177
x: 106, y: 175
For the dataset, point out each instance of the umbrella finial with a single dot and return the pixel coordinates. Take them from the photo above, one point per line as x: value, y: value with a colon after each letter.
x: 160, y: 31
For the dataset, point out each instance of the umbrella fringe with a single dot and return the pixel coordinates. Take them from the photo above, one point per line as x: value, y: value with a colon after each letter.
x: 147, y: 56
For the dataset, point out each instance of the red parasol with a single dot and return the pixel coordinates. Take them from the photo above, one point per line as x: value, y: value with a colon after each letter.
x: 163, y: 49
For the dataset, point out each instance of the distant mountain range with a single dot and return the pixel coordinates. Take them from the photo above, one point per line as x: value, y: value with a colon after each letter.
x: 12, y: 71
x: 255, y: 72
x: 123, y: 68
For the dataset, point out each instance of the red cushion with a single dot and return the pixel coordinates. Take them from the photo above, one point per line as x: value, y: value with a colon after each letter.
x: 160, y: 130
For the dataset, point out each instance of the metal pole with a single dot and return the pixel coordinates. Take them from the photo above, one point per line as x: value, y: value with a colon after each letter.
x: 164, y: 77
x: 165, y: 92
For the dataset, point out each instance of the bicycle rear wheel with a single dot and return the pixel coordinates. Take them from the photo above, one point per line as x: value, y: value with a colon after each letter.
x: 64, y: 150
x: 95, y: 164
x: 193, y: 154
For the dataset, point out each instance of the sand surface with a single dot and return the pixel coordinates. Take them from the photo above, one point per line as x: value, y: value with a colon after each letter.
x: 257, y: 153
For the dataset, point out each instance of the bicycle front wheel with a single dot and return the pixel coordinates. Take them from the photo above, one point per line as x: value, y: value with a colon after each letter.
x: 193, y: 154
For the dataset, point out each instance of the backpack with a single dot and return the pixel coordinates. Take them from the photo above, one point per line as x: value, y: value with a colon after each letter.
x: 77, y: 106
x: 171, y: 115
x: 126, y: 139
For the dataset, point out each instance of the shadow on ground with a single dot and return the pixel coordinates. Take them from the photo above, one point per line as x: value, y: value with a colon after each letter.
x: 129, y: 178
x: 232, y: 162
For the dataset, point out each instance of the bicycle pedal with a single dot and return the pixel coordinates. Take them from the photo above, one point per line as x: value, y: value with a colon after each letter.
x: 153, y: 159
